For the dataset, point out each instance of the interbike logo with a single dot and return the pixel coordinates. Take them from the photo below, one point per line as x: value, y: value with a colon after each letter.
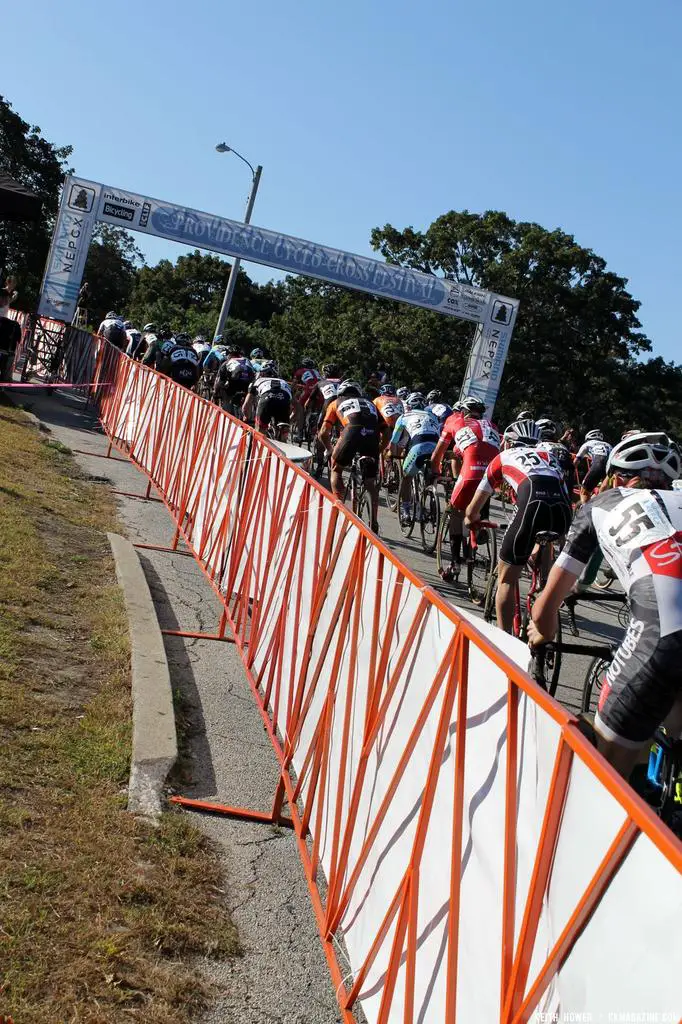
x: 122, y: 200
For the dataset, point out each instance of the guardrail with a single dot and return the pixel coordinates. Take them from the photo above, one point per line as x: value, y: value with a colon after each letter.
x: 469, y: 854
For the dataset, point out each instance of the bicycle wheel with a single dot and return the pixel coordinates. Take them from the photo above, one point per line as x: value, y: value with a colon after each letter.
x: 446, y: 566
x: 480, y: 564
x: 392, y: 484
x: 553, y: 660
x: 407, y: 519
x: 365, y: 508
x: 593, y: 683
x: 429, y: 519
x: 490, y: 595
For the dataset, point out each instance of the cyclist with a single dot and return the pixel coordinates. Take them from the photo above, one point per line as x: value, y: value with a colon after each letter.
x: 541, y: 504
x: 549, y: 443
x: 637, y: 524
x: 156, y: 345
x: 134, y: 339
x: 179, y: 361
x: 402, y: 393
x: 596, y: 449
x: 438, y: 407
x: 323, y: 392
x: 417, y: 431
x: 270, y: 397
x: 359, y: 422
x: 216, y: 355
x: 201, y: 347
x: 389, y: 408
x: 233, y: 378
x: 303, y: 381
x: 476, y: 442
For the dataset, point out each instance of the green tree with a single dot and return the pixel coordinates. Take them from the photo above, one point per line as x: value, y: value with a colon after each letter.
x: 111, y: 270
x: 39, y: 165
x: 577, y: 332
x: 188, y: 294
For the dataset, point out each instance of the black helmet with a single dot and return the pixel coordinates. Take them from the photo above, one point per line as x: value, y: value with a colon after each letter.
x: 268, y: 369
x: 349, y: 387
x: 182, y: 339
x: 330, y: 370
x: 434, y: 396
x: 308, y: 364
x: 548, y: 429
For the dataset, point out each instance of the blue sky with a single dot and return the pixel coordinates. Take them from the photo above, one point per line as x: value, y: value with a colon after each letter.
x: 374, y: 111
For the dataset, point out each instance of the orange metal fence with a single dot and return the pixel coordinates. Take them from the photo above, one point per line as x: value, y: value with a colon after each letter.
x: 469, y: 855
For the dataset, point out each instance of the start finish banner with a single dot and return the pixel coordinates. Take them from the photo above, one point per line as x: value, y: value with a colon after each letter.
x: 84, y: 203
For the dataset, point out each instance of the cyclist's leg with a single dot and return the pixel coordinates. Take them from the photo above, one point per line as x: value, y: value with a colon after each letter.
x: 342, y: 457
x: 515, y: 550
x: 462, y: 496
x: 641, y: 688
x: 416, y: 454
x: 370, y: 469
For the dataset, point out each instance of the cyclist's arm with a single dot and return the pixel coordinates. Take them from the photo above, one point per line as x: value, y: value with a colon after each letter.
x: 542, y: 626
x: 438, y: 453
x: 397, y: 437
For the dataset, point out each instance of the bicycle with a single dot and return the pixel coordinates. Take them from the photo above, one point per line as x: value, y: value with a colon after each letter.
x: 479, y: 553
x: 597, y: 597
x: 391, y: 479
x: 547, y: 660
x: 356, y: 490
x: 417, y: 488
x: 278, y: 431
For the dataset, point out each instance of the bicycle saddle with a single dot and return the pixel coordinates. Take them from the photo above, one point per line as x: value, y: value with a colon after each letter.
x: 546, y: 536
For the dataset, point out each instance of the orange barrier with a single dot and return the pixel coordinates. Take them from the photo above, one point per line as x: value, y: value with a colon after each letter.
x: 469, y: 855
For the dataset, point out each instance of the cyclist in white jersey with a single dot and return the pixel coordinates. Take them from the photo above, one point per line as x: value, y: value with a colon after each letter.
x: 637, y: 524
x: 597, y: 450
x: 269, y: 396
x: 418, y: 431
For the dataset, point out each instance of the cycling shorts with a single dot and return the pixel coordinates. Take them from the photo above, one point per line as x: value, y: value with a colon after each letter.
x: 640, y: 685
x: 275, y: 406
x: 541, y: 504
x: 463, y: 492
x: 184, y: 373
x: 417, y: 456
x: 595, y: 473
x: 356, y: 441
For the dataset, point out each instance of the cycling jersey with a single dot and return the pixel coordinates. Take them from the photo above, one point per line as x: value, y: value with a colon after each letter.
x: 594, y: 449
x: 440, y: 411
x: 265, y: 386
x: 215, y: 357
x: 389, y: 408
x: 640, y: 535
x: 563, y: 458
x: 360, y: 434
x: 515, y: 465
x: 414, y: 427
x: 353, y: 412
x: 476, y: 443
x: 305, y: 381
x: 180, y: 363
x: 324, y: 390
x: 134, y: 342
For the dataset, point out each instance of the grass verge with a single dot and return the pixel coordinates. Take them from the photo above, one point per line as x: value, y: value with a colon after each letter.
x: 101, y: 914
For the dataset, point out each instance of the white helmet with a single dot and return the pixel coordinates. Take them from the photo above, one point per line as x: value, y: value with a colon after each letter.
x: 548, y: 428
x: 522, y: 432
x: 594, y: 435
x: 646, y: 451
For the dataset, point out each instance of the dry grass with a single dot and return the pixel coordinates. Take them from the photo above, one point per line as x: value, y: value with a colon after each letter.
x: 101, y: 914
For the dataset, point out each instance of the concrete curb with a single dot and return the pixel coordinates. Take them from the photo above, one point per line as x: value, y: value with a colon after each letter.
x: 155, y: 745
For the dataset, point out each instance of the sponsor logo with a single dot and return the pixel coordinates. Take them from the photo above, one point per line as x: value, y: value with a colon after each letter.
x: 120, y: 212
x: 625, y: 651
x: 81, y: 198
x: 122, y: 200
x: 144, y: 216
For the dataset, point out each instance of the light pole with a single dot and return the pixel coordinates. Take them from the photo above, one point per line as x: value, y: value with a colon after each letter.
x: 222, y: 147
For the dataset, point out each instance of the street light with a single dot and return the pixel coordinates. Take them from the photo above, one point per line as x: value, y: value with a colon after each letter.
x: 222, y: 147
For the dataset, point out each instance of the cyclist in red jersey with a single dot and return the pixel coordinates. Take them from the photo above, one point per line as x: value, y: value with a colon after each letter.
x: 304, y: 381
x: 476, y: 442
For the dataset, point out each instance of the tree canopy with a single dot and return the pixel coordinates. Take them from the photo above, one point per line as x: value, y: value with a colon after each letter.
x: 39, y: 165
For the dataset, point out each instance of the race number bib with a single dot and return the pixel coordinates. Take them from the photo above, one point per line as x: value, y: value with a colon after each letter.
x: 464, y: 438
x: 489, y: 434
x: 327, y: 390
x: 636, y: 522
